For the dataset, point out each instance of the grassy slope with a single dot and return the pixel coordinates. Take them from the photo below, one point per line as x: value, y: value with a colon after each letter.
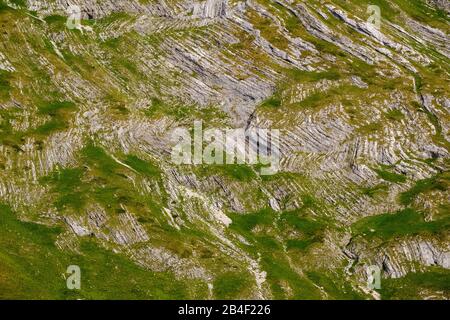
x: 108, y: 185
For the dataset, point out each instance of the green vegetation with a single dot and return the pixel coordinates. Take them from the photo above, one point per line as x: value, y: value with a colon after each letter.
x: 261, y: 229
x: 406, y: 222
x: 390, y: 176
x: 102, y: 179
x: 417, y: 9
x: 434, y: 279
x: 56, y: 22
x: 67, y: 183
x: 394, y: 114
x: 231, y: 285
x: 240, y: 172
x: 378, y: 190
x: 285, y: 283
x: 59, y: 111
x: 237, y: 172
x: 143, y: 167
x: 21, y: 3
x: 334, y: 285
x: 5, y: 86
x: 272, y: 102
x: 32, y: 267
x: 268, y: 29
x: 323, y: 98
x: 244, y: 223
x: 370, y: 128
x: 312, y: 76
x: 311, y: 230
x: 9, y: 136
x: 99, y: 160
x: 210, y: 115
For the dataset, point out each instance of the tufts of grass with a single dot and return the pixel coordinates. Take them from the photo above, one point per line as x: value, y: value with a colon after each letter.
x: 284, y: 281
x: 311, y: 231
x: 9, y: 136
x: 410, y: 286
x: 370, y: 128
x: 59, y: 111
x: 102, y: 179
x: 32, y: 267
x: 438, y: 182
x: 379, y: 189
x: 98, y: 159
x: 56, y: 108
x: 240, y: 172
x: 280, y: 275
x: 267, y: 29
x: 231, y: 285
x: 334, y: 286
x: 67, y: 183
x: 327, y: 97
x: 272, y: 102
x: 5, y: 86
x: 298, y: 75
x: 21, y: 3
x: 402, y: 223
x: 394, y: 114
x: 246, y: 222
x: 237, y: 172
x: 390, y: 176
x: 55, y: 19
x: 143, y: 167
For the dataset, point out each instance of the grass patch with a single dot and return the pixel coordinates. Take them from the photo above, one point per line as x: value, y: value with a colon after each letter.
x: 246, y: 222
x: 268, y: 29
x: 378, y: 190
x: 335, y: 287
x: 56, y: 108
x: 285, y: 282
x: 103, y: 180
x: 5, y: 86
x: 408, y: 287
x: 312, y: 76
x: 370, y: 128
x: 143, y: 167
x: 67, y: 183
x: 59, y: 111
x: 231, y: 285
x: 272, y: 102
x: 9, y: 136
x: 32, y: 267
x: 238, y: 172
x: 394, y: 115
x: 98, y: 159
x: 311, y: 231
x: 406, y: 222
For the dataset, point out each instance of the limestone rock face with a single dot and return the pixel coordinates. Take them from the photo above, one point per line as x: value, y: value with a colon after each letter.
x: 210, y: 9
